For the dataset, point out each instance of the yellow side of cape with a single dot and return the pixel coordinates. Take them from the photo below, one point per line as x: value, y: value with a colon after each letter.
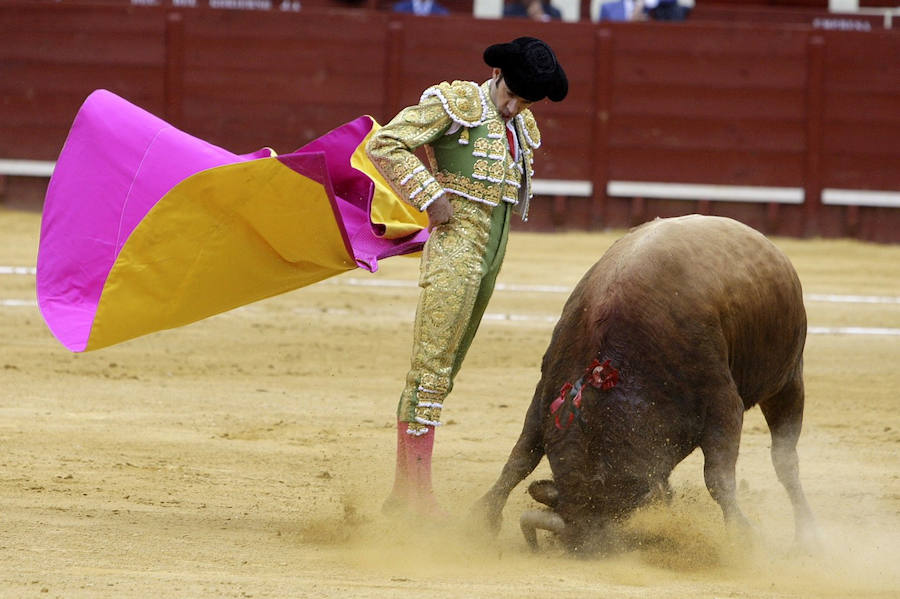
x: 220, y: 239
x: 399, y: 218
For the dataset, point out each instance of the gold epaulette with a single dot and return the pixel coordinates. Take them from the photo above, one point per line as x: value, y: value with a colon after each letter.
x: 530, y: 129
x: 462, y: 100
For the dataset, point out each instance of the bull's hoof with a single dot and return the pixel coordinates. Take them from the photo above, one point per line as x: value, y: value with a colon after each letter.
x: 808, y: 542
x: 485, y: 516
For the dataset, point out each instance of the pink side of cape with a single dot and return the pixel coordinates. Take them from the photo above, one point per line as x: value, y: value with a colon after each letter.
x: 119, y: 161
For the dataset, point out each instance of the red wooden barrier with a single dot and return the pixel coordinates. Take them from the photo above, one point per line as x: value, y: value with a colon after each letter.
x: 787, y: 107
x: 818, y: 17
x: 253, y: 79
x: 51, y: 58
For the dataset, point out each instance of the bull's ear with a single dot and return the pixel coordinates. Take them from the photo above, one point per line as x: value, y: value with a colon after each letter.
x: 544, y: 491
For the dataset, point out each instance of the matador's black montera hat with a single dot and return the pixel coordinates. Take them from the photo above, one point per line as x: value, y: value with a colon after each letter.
x: 530, y: 69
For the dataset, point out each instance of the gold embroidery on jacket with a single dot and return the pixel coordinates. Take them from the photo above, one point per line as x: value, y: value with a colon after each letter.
x: 529, y: 129
x: 497, y: 150
x: 480, y: 170
x: 496, y: 129
x: 464, y: 101
x: 480, y: 147
x: 497, y: 173
x: 463, y: 186
x: 391, y: 149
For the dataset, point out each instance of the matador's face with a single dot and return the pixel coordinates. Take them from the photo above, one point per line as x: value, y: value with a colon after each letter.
x: 507, y: 103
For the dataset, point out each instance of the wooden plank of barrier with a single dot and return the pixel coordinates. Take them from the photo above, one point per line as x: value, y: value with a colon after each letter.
x: 255, y: 79
x: 718, y: 104
x: 52, y: 57
x: 868, y: 20
x: 815, y: 106
x: 603, y: 58
x: 861, y: 128
x: 393, y: 79
x: 174, y: 72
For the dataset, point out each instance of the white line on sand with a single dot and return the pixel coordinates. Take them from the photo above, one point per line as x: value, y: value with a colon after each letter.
x: 545, y: 318
x: 379, y: 282
x: 809, y: 297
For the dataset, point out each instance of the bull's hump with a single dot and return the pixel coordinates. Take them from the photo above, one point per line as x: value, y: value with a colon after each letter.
x: 698, y: 264
x: 695, y: 248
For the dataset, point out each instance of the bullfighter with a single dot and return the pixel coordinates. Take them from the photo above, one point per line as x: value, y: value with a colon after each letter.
x: 479, y: 142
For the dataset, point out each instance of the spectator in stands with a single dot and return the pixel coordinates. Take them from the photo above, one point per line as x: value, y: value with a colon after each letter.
x: 666, y: 10
x: 622, y: 10
x: 421, y: 7
x: 536, y: 10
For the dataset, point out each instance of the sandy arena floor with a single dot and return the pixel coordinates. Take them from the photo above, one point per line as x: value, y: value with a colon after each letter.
x: 248, y: 455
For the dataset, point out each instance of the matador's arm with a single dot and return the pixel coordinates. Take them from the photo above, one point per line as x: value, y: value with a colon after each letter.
x: 391, y: 150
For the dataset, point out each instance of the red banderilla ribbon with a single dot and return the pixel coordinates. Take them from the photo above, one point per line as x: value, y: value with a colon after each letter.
x: 566, y: 408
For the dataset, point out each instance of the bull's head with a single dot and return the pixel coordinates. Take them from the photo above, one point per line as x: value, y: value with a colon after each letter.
x: 583, y: 525
x: 577, y: 522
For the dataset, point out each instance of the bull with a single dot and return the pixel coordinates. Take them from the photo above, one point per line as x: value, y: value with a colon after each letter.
x: 682, y: 326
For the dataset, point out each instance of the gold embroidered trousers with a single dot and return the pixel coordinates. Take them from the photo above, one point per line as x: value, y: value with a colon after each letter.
x: 459, y: 267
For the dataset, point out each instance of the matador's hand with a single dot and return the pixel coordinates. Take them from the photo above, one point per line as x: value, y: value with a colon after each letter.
x: 439, y: 212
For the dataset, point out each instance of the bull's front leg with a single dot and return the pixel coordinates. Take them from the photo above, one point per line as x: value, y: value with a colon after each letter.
x: 523, y: 459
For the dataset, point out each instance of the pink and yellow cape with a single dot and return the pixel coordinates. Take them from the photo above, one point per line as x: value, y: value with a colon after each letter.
x: 148, y: 228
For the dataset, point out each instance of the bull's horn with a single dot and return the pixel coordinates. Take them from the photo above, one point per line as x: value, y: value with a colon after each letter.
x: 534, y: 519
